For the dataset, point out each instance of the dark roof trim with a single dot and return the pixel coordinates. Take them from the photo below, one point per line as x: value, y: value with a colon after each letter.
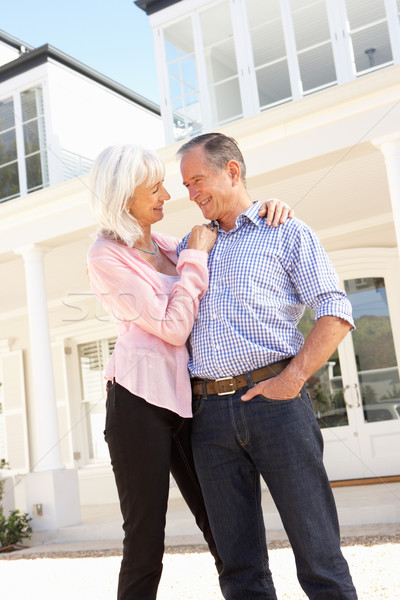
x: 13, y: 41
x: 40, y: 55
x: 153, y: 6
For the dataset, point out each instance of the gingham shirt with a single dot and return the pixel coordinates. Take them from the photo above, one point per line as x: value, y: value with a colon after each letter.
x: 261, y: 279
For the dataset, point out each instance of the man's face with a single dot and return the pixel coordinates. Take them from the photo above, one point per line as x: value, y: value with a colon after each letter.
x: 210, y: 190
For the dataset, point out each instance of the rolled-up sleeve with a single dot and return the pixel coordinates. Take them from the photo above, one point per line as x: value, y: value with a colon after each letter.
x: 315, y: 277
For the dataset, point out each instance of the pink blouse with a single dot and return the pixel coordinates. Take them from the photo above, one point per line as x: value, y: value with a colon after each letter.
x: 150, y: 357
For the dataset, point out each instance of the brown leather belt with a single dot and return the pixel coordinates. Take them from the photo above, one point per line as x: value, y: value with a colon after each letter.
x: 229, y: 385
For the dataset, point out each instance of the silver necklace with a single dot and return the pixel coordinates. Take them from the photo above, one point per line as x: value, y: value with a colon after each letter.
x: 148, y: 251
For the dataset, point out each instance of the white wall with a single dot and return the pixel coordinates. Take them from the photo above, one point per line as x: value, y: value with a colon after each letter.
x: 7, y: 53
x: 87, y: 116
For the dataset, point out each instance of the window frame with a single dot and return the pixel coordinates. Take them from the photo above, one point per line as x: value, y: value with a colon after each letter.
x: 22, y: 155
x: 341, y: 49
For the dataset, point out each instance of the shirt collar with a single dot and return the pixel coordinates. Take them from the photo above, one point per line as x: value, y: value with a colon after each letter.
x: 251, y: 214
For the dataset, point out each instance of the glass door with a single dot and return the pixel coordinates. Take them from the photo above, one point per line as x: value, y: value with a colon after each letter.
x: 356, y: 394
x: 377, y: 410
x: 332, y: 397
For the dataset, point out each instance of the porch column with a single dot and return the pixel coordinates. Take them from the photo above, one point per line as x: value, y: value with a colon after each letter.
x: 390, y: 148
x: 48, y: 456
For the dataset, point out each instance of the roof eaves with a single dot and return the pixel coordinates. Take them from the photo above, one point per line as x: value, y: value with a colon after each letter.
x: 40, y: 55
x: 153, y: 6
x: 13, y: 41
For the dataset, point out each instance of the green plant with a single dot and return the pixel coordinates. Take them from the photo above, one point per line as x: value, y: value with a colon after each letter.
x: 15, y: 527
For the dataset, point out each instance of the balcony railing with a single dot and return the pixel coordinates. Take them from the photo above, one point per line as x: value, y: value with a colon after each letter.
x: 74, y: 165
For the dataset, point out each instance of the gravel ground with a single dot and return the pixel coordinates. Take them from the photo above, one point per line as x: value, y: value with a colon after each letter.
x: 189, y: 573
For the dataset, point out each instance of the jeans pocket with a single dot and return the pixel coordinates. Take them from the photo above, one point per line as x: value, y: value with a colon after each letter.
x: 197, y: 405
x: 276, y: 401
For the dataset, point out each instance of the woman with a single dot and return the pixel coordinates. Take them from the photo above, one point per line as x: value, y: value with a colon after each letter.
x: 154, y: 298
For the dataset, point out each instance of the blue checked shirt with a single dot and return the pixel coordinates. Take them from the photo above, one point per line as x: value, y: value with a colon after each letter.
x: 261, y: 279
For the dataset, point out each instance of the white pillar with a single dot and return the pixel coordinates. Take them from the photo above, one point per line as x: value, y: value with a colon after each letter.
x: 48, y: 456
x: 390, y: 148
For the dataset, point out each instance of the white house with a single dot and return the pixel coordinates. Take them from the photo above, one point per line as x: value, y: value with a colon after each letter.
x: 311, y: 91
x: 56, y: 115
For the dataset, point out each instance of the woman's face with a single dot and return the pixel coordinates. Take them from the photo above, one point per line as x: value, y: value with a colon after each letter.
x: 147, y: 204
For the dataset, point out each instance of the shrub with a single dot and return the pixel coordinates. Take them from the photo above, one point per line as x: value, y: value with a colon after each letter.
x: 15, y: 527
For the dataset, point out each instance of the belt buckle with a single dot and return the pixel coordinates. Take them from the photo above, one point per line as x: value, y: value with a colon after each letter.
x: 229, y: 391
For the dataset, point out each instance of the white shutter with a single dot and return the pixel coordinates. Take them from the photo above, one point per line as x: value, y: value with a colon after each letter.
x: 93, y: 358
x: 91, y: 371
x: 62, y: 401
x: 14, y: 411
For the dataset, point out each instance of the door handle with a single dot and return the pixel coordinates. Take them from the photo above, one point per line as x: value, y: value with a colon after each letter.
x: 346, y: 389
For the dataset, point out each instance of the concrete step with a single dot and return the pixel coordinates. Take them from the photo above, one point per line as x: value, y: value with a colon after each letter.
x: 362, y: 509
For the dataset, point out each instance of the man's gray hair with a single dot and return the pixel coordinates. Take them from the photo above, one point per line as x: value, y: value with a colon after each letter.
x: 219, y: 149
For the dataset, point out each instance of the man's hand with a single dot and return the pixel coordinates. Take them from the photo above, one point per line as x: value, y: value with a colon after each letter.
x: 276, y: 211
x: 280, y: 387
x: 323, y: 339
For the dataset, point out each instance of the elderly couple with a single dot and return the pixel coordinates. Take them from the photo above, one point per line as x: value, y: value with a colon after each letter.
x: 237, y: 287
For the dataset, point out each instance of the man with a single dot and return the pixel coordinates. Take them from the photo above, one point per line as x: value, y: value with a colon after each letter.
x: 249, y: 364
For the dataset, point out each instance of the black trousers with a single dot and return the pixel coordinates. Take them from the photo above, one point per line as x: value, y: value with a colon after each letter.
x: 146, y: 442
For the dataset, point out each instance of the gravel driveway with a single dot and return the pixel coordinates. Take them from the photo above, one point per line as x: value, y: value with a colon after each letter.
x: 189, y: 573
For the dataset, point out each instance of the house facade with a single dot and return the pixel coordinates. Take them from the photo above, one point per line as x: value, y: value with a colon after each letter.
x: 311, y: 91
x: 56, y: 115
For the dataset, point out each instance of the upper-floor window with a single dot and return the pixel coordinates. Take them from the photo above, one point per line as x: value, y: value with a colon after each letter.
x: 269, y: 52
x: 369, y: 34
x: 230, y: 59
x: 220, y: 62
x: 182, y: 79
x: 23, y: 154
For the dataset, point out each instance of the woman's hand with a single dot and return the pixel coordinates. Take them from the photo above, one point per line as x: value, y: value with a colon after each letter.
x: 276, y: 212
x: 202, y: 237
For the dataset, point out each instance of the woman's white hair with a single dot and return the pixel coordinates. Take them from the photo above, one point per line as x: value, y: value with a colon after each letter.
x: 115, y: 174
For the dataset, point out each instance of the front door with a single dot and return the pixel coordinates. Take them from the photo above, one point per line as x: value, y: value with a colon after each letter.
x: 356, y: 394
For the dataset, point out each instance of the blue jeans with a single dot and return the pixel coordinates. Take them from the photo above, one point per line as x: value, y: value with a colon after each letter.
x: 233, y: 443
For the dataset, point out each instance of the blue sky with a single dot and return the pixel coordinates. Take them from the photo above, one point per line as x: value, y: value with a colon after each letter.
x: 111, y: 36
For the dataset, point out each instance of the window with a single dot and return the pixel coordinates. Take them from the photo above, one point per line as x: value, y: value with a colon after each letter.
x: 221, y: 65
x: 325, y: 386
x: 233, y: 59
x: 23, y: 155
x: 34, y: 139
x: 369, y: 34
x: 377, y: 369
x: 313, y: 43
x: 182, y: 79
x: 93, y: 358
x: 9, y: 182
x: 269, y: 52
